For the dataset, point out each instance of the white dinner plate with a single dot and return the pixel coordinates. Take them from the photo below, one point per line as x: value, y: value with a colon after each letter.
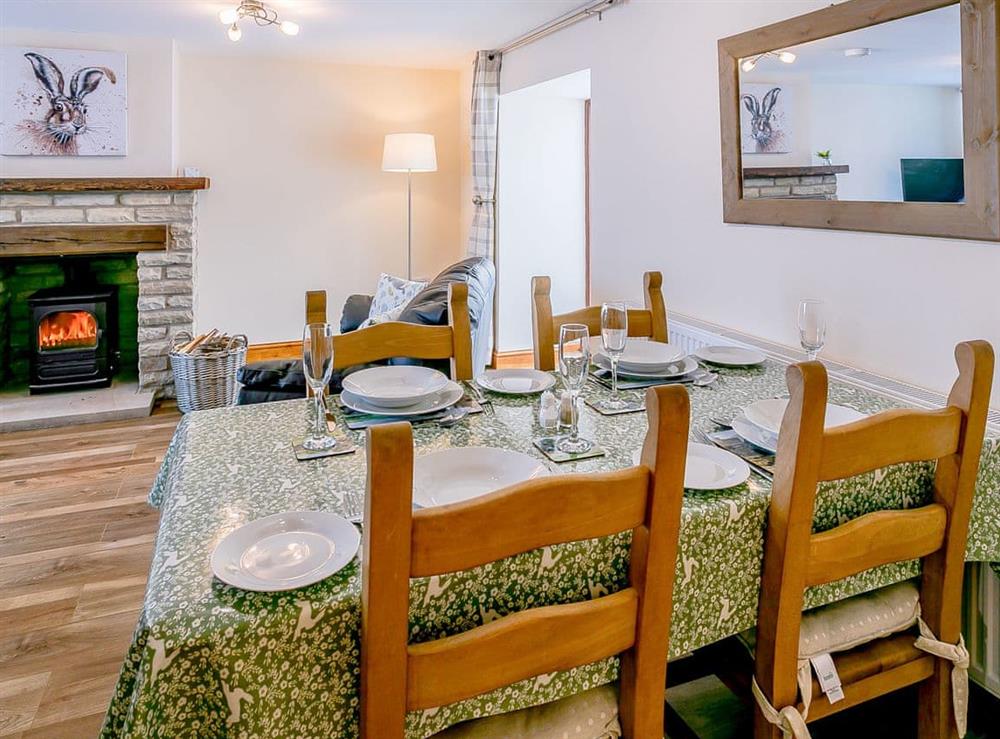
x: 730, y: 356
x: 285, y: 551
x: 642, y: 356
x: 451, y: 394
x: 458, y: 474
x: 767, y: 414
x: 755, y: 435
x: 395, y: 387
x: 683, y: 367
x: 710, y: 468
x: 515, y: 381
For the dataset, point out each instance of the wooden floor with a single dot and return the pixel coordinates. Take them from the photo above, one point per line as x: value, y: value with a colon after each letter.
x: 76, y: 538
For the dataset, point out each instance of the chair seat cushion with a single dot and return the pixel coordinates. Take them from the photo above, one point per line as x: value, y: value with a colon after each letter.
x: 855, y: 621
x: 589, y: 715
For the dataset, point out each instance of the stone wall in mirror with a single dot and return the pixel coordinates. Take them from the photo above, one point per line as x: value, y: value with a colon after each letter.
x: 870, y: 115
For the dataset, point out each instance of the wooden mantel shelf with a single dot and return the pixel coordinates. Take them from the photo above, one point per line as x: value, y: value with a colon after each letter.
x: 60, y: 240
x: 791, y: 171
x: 90, y: 184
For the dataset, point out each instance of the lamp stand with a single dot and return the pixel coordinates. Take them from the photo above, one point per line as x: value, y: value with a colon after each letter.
x: 409, y: 225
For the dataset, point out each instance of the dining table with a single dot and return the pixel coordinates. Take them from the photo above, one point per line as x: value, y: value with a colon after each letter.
x: 207, y: 659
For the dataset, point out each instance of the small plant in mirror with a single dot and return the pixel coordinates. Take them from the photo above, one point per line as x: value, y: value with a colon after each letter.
x: 825, y: 156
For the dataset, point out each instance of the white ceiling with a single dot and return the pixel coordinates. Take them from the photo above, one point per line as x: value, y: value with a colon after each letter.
x: 924, y: 49
x: 413, y: 33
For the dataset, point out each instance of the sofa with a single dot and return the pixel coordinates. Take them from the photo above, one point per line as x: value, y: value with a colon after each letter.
x: 263, y: 382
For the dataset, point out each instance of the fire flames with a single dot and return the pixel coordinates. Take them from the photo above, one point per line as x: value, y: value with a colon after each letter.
x: 67, y: 330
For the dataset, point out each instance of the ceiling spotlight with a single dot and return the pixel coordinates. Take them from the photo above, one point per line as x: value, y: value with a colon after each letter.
x: 858, y: 51
x: 259, y: 13
x: 748, y: 64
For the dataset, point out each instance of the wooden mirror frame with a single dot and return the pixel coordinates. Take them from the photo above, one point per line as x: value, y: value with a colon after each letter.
x: 977, y: 218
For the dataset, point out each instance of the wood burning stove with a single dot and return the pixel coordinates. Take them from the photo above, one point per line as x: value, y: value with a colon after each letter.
x: 74, y: 332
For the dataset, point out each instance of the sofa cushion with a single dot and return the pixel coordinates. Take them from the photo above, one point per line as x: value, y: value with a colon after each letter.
x: 391, y: 296
x: 277, y: 374
x: 430, y: 305
x: 589, y: 715
x: 356, y: 311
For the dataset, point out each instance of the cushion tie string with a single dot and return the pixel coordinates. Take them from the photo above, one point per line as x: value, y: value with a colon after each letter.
x: 959, y: 656
x: 788, y: 719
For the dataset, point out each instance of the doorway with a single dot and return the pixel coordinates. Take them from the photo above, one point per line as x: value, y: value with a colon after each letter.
x: 542, y: 217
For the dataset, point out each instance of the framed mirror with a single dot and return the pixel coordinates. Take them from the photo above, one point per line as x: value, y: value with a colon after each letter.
x: 869, y: 115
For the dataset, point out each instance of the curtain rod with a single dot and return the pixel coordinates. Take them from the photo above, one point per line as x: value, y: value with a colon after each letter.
x: 574, y: 16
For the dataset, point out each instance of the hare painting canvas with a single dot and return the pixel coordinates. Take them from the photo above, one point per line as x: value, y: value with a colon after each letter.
x: 63, y: 102
x: 765, y: 127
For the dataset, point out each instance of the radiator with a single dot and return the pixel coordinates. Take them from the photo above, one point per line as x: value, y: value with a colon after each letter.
x: 981, y: 599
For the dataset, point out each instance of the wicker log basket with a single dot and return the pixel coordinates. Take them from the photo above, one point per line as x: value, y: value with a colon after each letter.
x: 205, y: 369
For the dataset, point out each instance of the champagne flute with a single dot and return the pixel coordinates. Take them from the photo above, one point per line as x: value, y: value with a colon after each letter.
x: 574, y: 364
x: 614, y: 336
x: 317, y: 365
x: 812, y: 326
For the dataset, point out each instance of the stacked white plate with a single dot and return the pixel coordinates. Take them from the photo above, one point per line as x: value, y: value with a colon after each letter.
x: 760, y: 422
x: 399, y: 391
x: 646, y: 359
x: 515, y: 381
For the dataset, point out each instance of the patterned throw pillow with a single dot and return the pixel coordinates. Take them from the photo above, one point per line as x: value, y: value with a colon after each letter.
x: 391, y: 296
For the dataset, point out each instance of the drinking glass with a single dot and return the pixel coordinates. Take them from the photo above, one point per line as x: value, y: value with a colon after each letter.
x: 812, y: 326
x: 574, y: 364
x: 614, y: 335
x: 317, y: 365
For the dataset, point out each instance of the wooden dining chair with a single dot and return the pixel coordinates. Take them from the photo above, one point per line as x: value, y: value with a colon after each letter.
x: 400, y: 543
x: 398, y: 339
x: 650, y: 322
x: 796, y: 559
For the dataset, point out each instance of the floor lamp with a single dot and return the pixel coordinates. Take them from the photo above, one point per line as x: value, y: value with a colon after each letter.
x: 409, y: 152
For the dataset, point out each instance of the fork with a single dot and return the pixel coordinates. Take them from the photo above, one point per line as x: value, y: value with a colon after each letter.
x: 480, y: 397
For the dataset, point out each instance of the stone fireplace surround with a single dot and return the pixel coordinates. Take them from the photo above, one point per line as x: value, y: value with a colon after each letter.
x: 166, y: 277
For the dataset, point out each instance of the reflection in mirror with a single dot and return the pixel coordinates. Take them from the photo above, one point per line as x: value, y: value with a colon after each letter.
x: 870, y: 115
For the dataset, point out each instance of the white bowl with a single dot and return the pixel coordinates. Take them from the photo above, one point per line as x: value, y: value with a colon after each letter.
x: 461, y: 473
x: 709, y: 468
x: 767, y: 414
x: 395, y: 387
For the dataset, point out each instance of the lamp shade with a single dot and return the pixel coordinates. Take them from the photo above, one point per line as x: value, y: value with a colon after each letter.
x: 409, y: 152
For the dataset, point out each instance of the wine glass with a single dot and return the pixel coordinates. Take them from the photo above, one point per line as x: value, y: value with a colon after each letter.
x: 812, y: 326
x: 317, y: 365
x: 574, y: 364
x: 614, y: 335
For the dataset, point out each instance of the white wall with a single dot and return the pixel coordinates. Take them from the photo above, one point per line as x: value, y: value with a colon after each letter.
x: 899, y: 303
x: 299, y: 200
x: 541, y: 224
x: 150, y: 108
x: 869, y: 128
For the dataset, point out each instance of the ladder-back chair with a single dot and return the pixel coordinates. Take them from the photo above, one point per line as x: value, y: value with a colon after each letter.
x: 650, y: 322
x: 796, y: 559
x: 400, y: 543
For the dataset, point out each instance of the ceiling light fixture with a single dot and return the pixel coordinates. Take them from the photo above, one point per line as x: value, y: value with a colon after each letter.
x: 748, y: 64
x: 259, y: 13
x: 858, y: 51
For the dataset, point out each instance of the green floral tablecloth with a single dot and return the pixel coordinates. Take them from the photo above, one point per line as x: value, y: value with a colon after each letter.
x: 210, y: 660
